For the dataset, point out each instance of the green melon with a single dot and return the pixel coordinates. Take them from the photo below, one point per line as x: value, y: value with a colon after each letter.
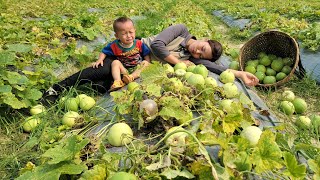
x: 300, y: 105
x: 269, y: 80
x: 280, y: 76
x: 270, y: 72
x: 250, y: 69
x: 277, y: 64
x: 260, y: 75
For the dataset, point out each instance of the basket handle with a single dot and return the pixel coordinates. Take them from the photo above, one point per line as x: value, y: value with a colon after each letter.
x: 302, y: 72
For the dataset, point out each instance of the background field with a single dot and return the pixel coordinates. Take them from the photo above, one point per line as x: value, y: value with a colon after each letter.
x: 42, y: 42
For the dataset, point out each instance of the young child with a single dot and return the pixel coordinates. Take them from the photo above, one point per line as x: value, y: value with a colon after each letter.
x: 128, y: 52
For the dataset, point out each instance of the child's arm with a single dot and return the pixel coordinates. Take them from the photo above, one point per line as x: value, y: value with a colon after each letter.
x: 146, y: 52
x: 106, y: 51
x: 96, y: 64
x: 147, y: 58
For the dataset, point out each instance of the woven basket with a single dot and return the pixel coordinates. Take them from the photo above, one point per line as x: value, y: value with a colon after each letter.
x: 271, y: 42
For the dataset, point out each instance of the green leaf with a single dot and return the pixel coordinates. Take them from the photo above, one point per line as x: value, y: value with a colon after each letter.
x: 154, y: 90
x: 53, y: 171
x: 285, y: 141
x: 13, y: 101
x: 246, y: 101
x: 89, y: 33
x: 294, y: 171
x: 66, y: 150
x: 123, y: 102
x: 113, y: 160
x: 153, y: 74
x: 32, y: 94
x: 124, y: 108
x: 98, y: 172
x: 138, y: 95
x: 33, y: 141
x: 22, y: 48
x: 221, y: 171
x: 7, y: 58
x: 172, y: 107
x: 213, y: 139
x: 5, y: 88
x: 19, y: 88
x: 199, y: 167
x: 16, y: 78
x: 235, y: 159
x: 314, y: 165
x: 266, y: 155
x: 309, y: 149
x: 170, y: 174
x: 242, y: 162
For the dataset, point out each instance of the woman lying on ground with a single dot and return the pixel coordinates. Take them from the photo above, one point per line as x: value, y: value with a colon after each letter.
x: 173, y: 45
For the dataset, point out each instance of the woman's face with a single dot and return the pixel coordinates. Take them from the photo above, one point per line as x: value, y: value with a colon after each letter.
x: 200, y: 49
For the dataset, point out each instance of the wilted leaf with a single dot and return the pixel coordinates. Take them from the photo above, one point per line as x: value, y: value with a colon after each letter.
x: 233, y: 119
x: 153, y: 74
x: 172, y: 107
x: 267, y: 154
x: 264, y: 112
x: 164, y: 162
x: 154, y: 90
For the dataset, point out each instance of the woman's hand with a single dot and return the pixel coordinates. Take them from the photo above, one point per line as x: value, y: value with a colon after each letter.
x: 97, y: 63
x: 187, y: 62
x: 248, y: 78
x: 100, y: 60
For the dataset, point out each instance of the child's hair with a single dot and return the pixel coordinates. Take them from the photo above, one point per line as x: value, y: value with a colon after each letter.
x: 122, y: 19
x: 216, y: 48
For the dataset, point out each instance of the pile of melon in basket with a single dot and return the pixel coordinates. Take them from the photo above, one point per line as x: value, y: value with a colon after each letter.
x: 269, y: 68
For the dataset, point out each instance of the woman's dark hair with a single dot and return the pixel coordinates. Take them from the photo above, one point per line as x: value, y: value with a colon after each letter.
x: 122, y: 19
x: 216, y: 48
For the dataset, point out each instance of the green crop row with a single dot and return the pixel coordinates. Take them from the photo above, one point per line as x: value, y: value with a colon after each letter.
x: 298, y: 19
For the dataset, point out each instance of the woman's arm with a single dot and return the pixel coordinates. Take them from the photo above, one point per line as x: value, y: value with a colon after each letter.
x: 247, y: 78
x: 211, y: 66
x: 159, y: 44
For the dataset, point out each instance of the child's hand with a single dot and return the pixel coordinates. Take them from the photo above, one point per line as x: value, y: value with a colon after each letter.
x: 97, y: 63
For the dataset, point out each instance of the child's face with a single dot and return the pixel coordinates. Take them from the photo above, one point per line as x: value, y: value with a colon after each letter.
x: 126, y: 32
